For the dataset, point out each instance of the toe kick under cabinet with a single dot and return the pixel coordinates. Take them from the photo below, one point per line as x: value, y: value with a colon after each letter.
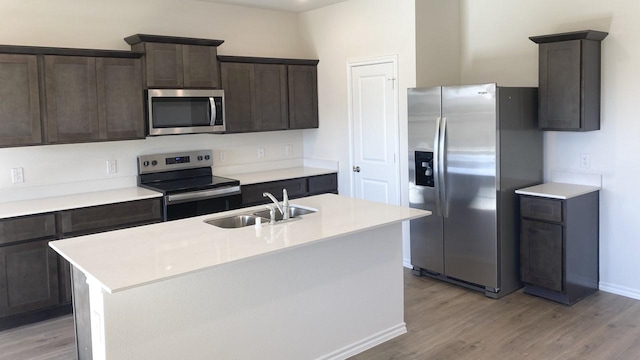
x: 559, y: 241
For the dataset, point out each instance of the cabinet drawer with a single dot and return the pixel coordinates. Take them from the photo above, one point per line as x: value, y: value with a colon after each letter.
x: 323, y: 184
x: 253, y: 193
x: 112, y: 216
x: 27, y: 228
x: 541, y: 208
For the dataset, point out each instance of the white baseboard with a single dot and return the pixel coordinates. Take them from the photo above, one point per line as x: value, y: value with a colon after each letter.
x: 620, y: 290
x: 407, y: 263
x: 366, y: 344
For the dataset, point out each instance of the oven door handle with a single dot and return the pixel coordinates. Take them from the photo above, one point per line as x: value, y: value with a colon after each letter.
x: 201, y: 195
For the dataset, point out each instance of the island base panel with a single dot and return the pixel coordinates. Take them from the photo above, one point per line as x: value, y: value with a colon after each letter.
x: 328, y: 300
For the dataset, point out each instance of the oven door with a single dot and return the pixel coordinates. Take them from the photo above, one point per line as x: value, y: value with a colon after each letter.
x: 184, y: 205
x: 178, y: 111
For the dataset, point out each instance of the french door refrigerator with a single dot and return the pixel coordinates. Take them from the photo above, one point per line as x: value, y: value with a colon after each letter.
x: 470, y: 148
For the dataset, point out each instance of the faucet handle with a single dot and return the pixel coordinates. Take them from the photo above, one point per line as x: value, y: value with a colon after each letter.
x: 285, y: 197
x: 272, y: 214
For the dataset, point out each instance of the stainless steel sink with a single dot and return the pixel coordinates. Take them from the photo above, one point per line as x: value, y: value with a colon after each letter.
x: 294, y: 211
x: 236, y: 221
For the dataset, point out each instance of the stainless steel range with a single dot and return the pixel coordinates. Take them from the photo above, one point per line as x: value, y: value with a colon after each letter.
x: 188, y: 184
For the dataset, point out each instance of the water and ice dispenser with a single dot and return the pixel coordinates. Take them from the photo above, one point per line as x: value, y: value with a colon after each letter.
x: 424, y: 168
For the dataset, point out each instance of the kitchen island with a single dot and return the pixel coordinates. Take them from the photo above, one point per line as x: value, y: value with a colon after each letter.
x: 326, y: 285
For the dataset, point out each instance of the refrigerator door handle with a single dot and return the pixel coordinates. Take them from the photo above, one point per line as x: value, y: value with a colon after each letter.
x: 436, y: 167
x: 441, y: 159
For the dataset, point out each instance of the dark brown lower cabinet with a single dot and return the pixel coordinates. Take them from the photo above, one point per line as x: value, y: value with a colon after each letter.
x: 35, y: 282
x: 559, y: 244
x: 296, y: 188
x: 28, y: 277
x: 542, y: 254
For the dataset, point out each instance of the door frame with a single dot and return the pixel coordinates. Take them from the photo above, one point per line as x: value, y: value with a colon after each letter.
x: 393, y: 59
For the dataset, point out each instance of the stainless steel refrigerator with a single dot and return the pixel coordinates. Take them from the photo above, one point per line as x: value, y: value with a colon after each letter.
x: 470, y: 148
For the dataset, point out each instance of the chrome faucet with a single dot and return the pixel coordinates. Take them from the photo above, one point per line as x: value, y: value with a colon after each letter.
x: 283, y: 208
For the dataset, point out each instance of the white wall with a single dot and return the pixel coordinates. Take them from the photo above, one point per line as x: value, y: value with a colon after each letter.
x: 437, y: 42
x: 496, y: 48
x: 354, y: 30
x: 102, y: 24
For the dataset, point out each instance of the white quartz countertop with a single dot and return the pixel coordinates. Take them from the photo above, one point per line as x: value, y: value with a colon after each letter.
x: 128, y: 258
x: 280, y: 174
x: 57, y: 203
x: 557, y: 190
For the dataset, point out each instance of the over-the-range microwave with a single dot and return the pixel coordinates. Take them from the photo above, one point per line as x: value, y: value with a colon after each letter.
x: 185, y: 111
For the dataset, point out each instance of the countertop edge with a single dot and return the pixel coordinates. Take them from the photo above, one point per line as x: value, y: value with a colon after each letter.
x: 68, y: 202
x: 279, y: 174
x: 562, y: 191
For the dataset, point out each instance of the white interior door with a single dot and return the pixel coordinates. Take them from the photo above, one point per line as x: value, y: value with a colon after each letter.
x: 374, y: 114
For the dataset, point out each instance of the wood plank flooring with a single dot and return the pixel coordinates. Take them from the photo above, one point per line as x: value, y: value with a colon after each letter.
x: 444, y: 322
x: 449, y: 322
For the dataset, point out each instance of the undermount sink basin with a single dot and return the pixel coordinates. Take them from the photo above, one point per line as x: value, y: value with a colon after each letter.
x: 294, y: 211
x: 236, y: 221
x: 242, y: 220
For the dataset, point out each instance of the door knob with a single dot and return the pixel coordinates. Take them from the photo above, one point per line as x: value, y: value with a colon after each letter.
x: 356, y: 169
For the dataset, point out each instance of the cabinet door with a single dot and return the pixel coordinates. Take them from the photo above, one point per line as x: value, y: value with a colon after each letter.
x: 72, y: 110
x: 200, y: 66
x: 28, y: 277
x: 238, y: 84
x: 541, y: 254
x: 323, y: 184
x: 120, y: 101
x: 272, y: 112
x: 20, y: 104
x: 164, y: 65
x: 303, y: 97
x: 560, y: 85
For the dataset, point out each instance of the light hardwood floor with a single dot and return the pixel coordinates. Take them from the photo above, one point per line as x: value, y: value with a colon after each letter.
x: 444, y: 322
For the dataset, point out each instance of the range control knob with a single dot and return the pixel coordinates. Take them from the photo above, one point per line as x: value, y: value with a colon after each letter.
x: 145, y: 163
x: 199, y: 157
x: 207, y: 157
x: 154, y: 163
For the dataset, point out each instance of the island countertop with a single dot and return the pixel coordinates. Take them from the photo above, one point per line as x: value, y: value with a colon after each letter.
x: 128, y: 258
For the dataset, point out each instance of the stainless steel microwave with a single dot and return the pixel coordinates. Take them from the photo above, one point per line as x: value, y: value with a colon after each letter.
x: 185, y: 111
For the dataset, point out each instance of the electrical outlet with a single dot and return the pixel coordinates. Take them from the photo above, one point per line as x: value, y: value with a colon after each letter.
x: 261, y: 153
x: 17, y: 175
x: 288, y: 150
x: 112, y: 167
x: 222, y: 156
x: 585, y: 161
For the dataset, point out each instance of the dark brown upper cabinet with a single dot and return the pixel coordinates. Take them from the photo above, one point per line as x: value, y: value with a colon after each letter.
x: 303, y: 97
x: 93, y: 99
x: 59, y: 95
x: 20, y: 104
x: 177, y: 62
x: 263, y: 94
x: 71, y: 100
x: 569, y: 80
x: 255, y: 96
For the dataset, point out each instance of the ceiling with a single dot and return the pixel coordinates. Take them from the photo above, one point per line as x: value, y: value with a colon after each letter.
x: 282, y: 5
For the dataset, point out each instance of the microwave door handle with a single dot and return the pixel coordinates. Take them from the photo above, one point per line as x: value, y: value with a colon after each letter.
x: 212, y: 105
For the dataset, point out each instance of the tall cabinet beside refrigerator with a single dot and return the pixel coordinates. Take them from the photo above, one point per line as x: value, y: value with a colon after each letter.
x: 470, y: 148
